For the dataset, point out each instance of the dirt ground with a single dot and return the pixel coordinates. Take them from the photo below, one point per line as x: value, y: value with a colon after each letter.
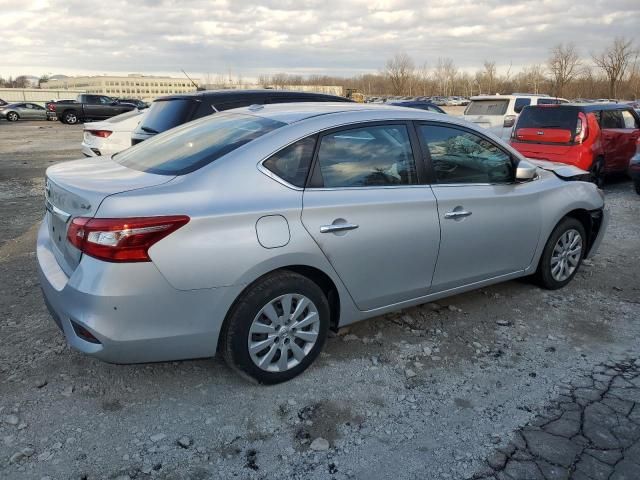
x: 427, y: 393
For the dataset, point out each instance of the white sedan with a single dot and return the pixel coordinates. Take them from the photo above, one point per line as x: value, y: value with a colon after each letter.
x: 110, y: 136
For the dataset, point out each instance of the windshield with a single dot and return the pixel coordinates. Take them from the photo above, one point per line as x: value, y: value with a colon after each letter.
x: 191, y: 146
x: 548, y: 117
x: 166, y: 114
x: 487, y: 107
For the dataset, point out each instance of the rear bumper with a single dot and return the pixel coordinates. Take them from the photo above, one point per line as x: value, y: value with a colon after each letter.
x: 87, y: 151
x: 133, y: 314
x: 569, y: 155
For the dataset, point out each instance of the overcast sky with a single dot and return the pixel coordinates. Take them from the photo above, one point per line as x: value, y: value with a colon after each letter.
x: 341, y: 37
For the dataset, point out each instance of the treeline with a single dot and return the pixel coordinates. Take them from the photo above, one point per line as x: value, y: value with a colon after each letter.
x: 612, y: 73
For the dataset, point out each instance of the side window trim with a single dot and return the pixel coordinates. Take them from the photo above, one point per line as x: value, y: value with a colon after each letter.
x: 427, y: 154
x: 316, y: 181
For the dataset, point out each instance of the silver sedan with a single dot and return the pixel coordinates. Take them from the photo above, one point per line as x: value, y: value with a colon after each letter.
x: 255, y: 231
x: 23, y: 111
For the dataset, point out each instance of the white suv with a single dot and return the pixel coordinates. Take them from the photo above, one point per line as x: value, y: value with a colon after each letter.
x: 498, y: 113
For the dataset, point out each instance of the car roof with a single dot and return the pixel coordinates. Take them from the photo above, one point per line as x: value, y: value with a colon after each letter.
x: 296, y: 112
x: 587, y: 107
x: 222, y: 94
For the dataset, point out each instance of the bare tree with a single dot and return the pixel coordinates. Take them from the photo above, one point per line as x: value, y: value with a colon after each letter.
x: 614, y: 61
x: 489, y: 76
x: 534, y: 75
x: 400, y: 69
x: 445, y: 75
x: 564, y: 65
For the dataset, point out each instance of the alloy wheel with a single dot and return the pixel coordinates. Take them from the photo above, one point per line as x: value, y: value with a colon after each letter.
x: 566, y: 255
x: 283, y: 332
x: 12, y: 117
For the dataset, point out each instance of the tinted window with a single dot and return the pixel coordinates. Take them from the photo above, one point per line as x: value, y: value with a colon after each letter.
x: 550, y: 101
x: 487, y: 107
x: 292, y: 163
x: 548, y: 117
x: 459, y: 156
x: 629, y: 120
x: 92, y: 99
x: 520, y: 104
x: 106, y: 100
x: 368, y: 156
x: 611, y: 119
x: 191, y: 146
x: 166, y: 114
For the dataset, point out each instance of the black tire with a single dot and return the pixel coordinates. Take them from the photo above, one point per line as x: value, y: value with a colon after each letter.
x: 543, y: 275
x: 636, y: 184
x: 597, y: 172
x: 70, y: 117
x: 234, y: 336
x: 12, y: 117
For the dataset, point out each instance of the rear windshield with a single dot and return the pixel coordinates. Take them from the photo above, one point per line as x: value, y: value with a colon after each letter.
x: 166, y: 114
x: 548, y: 117
x: 191, y: 146
x: 487, y: 107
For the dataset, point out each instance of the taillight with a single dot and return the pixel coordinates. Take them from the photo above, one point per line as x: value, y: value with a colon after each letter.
x: 121, y: 239
x: 52, y: 107
x: 581, y: 128
x: 509, y: 121
x: 100, y: 133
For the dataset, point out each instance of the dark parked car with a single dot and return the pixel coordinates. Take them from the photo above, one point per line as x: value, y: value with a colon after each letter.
x: 139, y: 104
x: 171, y: 111
x: 428, y: 106
x: 87, y: 107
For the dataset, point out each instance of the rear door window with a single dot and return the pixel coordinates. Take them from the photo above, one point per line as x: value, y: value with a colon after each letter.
x: 520, y: 104
x: 487, y: 107
x: 166, y: 114
x: 378, y: 155
x: 611, y: 119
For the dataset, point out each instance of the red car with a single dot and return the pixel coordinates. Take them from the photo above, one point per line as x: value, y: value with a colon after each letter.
x: 599, y: 138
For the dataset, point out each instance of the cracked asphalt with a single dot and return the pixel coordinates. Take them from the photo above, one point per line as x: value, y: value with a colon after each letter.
x: 591, y: 431
x: 507, y: 382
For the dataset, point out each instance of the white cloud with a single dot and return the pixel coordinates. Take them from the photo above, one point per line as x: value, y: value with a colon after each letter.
x: 297, y: 36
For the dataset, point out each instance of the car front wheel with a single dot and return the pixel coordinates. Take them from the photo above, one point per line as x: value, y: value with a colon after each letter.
x: 277, y: 328
x: 562, y: 254
x: 12, y: 116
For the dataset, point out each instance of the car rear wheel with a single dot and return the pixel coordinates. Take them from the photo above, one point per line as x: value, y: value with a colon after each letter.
x: 70, y: 118
x: 277, y: 328
x: 12, y: 116
x: 562, y: 254
x: 597, y: 172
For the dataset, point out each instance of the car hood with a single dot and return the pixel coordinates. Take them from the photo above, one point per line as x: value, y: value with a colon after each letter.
x: 562, y: 170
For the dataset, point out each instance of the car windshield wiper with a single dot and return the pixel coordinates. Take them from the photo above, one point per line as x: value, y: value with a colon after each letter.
x: 148, y: 130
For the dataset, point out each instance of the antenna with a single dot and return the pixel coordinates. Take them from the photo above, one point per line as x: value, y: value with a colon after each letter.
x: 194, y: 83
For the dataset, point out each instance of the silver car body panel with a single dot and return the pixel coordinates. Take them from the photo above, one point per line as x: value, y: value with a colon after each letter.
x: 246, y: 223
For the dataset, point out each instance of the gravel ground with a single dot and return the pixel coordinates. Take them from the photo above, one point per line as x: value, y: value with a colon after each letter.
x: 432, y: 392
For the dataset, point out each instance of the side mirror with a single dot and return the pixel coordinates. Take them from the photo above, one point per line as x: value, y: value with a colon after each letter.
x: 509, y: 121
x: 525, y: 171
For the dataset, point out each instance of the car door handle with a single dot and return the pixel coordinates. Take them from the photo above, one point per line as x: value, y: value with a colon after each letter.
x: 337, y: 227
x: 457, y: 214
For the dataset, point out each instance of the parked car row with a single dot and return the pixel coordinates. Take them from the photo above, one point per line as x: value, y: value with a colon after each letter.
x: 435, y: 100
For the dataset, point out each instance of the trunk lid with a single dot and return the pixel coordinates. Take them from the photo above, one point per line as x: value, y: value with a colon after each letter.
x: 77, y: 188
x: 545, y: 135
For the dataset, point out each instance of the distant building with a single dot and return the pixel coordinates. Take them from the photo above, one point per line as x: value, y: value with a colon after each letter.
x: 145, y: 87
x: 327, y: 89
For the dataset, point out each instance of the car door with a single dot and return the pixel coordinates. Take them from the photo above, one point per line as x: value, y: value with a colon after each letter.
x: 92, y: 107
x: 613, y: 139
x: 630, y: 138
x: 371, y: 214
x: 37, y: 112
x: 25, y: 111
x: 489, y: 223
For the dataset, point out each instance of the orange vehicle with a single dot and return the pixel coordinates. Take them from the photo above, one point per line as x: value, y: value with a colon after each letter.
x: 599, y: 138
